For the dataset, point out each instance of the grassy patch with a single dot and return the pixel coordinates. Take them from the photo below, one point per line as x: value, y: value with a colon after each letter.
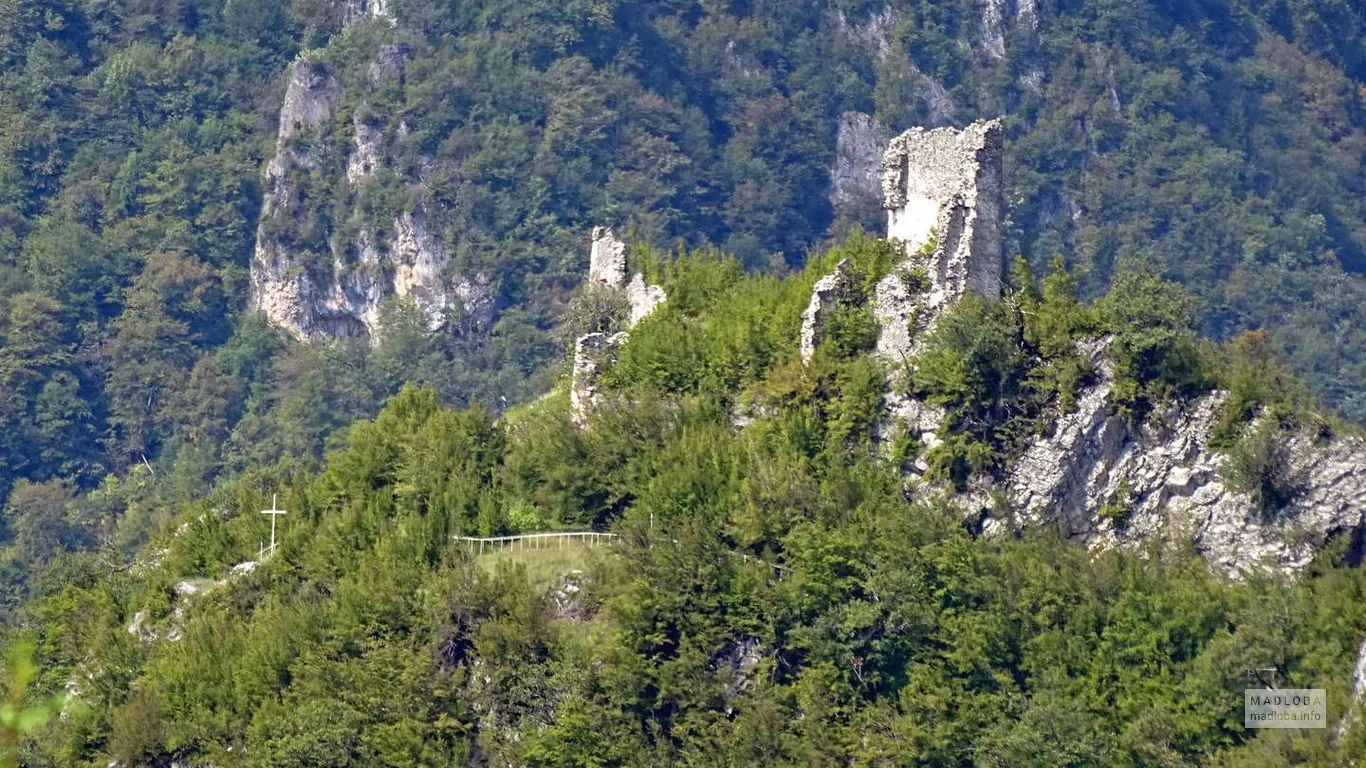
x: 546, y: 564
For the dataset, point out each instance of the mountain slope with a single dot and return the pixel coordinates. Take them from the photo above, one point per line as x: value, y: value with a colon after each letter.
x: 1219, y: 141
x: 777, y: 595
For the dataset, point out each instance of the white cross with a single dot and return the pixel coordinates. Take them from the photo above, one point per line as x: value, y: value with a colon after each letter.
x: 273, y: 512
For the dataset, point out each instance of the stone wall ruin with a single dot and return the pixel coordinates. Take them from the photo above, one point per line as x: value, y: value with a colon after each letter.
x: 942, y: 190
x: 593, y: 352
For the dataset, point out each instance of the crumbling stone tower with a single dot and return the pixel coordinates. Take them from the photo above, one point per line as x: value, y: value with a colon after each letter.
x: 594, y: 352
x: 942, y: 191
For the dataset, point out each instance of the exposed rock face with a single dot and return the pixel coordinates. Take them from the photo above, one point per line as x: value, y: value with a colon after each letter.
x: 995, y: 20
x: 389, y: 64
x: 993, y: 39
x: 595, y: 351
x: 1167, y: 479
x: 736, y: 666
x: 824, y: 296
x: 314, y: 302
x: 856, y: 177
x: 360, y: 9
x: 367, y: 144
x: 942, y: 190
x: 311, y: 98
x: 566, y: 597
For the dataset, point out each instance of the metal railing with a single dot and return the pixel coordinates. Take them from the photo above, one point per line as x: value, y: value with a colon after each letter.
x: 537, y: 540
x: 562, y: 538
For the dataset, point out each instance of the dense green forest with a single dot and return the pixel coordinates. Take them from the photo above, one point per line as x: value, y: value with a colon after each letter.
x: 146, y: 412
x: 774, y: 596
x: 1219, y: 141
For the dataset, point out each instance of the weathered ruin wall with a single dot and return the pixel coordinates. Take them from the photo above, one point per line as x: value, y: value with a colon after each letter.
x: 944, y: 186
x: 595, y: 352
x: 942, y: 190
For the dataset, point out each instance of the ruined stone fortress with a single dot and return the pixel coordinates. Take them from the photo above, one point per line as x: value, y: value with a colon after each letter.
x: 942, y: 190
x: 593, y: 352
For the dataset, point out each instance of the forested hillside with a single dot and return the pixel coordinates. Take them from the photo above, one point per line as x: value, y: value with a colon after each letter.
x: 147, y: 409
x: 1220, y: 141
x: 776, y: 595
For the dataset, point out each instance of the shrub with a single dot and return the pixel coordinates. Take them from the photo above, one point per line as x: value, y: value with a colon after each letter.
x: 1255, y: 380
x: 1154, y: 343
x: 594, y: 309
x: 1118, y: 510
x: 1259, y: 464
x: 975, y: 367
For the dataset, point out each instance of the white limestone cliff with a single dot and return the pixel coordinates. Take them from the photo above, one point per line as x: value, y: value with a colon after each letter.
x: 1169, y: 481
x: 365, y: 270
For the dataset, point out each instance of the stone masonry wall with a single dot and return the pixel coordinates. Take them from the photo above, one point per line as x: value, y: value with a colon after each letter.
x: 942, y: 191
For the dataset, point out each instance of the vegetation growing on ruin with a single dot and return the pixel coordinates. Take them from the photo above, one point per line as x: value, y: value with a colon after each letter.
x: 773, y: 596
x: 147, y: 411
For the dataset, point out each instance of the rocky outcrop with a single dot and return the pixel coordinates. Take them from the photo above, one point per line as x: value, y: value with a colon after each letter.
x: 942, y: 191
x: 311, y: 98
x: 1102, y: 480
x: 367, y: 144
x: 856, y: 176
x: 607, y: 270
x: 389, y: 63
x: 1108, y: 484
x: 735, y: 667
x: 374, y: 9
x: 185, y: 593
x: 342, y: 295
x: 594, y: 352
x: 996, y: 20
x: 566, y: 597
x: 993, y: 39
